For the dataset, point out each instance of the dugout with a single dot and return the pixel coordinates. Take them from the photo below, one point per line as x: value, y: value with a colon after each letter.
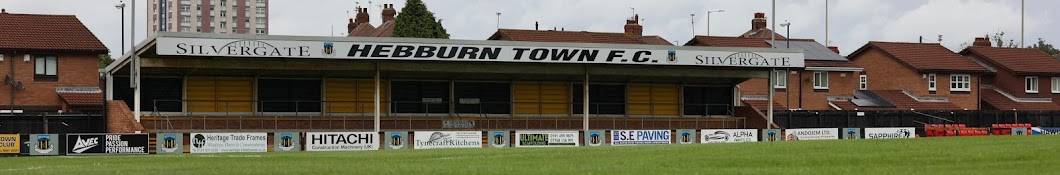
x: 197, y: 81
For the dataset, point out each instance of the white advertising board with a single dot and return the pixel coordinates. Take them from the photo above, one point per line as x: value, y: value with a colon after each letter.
x: 478, y: 52
x: 229, y: 142
x: 890, y: 133
x: 812, y: 134
x: 640, y: 137
x: 341, y: 141
x: 447, y: 139
x: 546, y: 138
x: 728, y: 135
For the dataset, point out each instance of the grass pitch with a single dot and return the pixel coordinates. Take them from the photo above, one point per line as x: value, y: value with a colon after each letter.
x: 955, y: 155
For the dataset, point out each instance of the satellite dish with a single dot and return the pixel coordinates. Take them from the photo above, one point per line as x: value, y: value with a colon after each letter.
x: 19, y: 86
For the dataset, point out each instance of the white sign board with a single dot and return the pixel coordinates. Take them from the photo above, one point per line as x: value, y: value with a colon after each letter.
x: 728, y: 135
x: 812, y: 134
x: 640, y: 137
x: 229, y: 142
x: 341, y: 141
x: 890, y: 133
x: 546, y: 138
x: 689, y: 56
x: 447, y: 139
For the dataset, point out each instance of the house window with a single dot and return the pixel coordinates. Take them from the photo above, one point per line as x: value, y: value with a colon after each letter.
x: 864, y: 85
x: 960, y: 82
x: 1031, y: 84
x: 820, y: 80
x: 931, y: 82
x: 46, y: 68
x: 780, y: 79
x: 1056, y: 85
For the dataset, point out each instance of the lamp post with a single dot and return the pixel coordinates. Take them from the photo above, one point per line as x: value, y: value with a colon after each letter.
x: 787, y: 26
x: 121, y: 7
x: 708, y: 19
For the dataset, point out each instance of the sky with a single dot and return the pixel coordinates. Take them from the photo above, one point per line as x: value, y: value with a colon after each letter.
x: 852, y: 23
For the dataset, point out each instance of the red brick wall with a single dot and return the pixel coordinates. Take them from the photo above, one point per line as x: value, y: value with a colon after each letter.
x: 73, y: 71
x: 811, y: 99
x: 120, y: 119
x: 886, y: 73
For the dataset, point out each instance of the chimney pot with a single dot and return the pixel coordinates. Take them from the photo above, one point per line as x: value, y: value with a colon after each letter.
x: 536, y: 26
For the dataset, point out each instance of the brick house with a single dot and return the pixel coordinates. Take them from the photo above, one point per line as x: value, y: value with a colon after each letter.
x: 633, y: 34
x: 915, y: 76
x: 1023, y: 79
x: 827, y: 77
x: 360, y: 26
x: 49, y: 63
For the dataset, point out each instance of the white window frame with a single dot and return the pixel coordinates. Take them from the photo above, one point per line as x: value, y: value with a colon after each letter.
x: 864, y: 82
x: 780, y: 80
x: 1030, y: 84
x: 1056, y: 85
x: 46, y: 65
x: 820, y: 80
x: 932, y: 82
x: 960, y: 82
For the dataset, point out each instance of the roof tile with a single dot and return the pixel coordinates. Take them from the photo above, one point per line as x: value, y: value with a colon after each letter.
x: 903, y: 101
x: 572, y: 37
x: 47, y: 32
x: 995, y: 99
x: 82, y: 98
x: 1019, y: 60
x: 925, y: 56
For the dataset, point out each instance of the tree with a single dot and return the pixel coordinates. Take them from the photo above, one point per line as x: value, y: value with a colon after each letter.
x: 999, y: 40
x: 1045, y: 47
x: 104, y: 60
x: 416, y: 21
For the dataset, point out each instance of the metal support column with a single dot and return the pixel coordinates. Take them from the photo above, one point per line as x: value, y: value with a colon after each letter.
x: 376, y: 107
x: 769, y: 114
x: 585, y: 102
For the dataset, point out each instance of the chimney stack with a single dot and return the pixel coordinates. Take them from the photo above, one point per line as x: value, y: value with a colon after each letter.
x: 981, y: 41
x: 388, y: 12
x: 350, y: 26
x: 834, y: 49
x: 3, y: 11
x: 633, y: 26
x: 759, y: 22
x: 362, y: 16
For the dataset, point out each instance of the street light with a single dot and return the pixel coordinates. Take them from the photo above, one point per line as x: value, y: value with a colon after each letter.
x: 787, y: 27
x: 708, y: 19
x: 121, y: 6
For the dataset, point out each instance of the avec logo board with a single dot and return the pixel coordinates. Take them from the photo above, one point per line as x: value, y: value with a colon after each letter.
x: 342, y: 141
x: 640, y: 137
x: 85, y: 144
x: 546, y: 138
